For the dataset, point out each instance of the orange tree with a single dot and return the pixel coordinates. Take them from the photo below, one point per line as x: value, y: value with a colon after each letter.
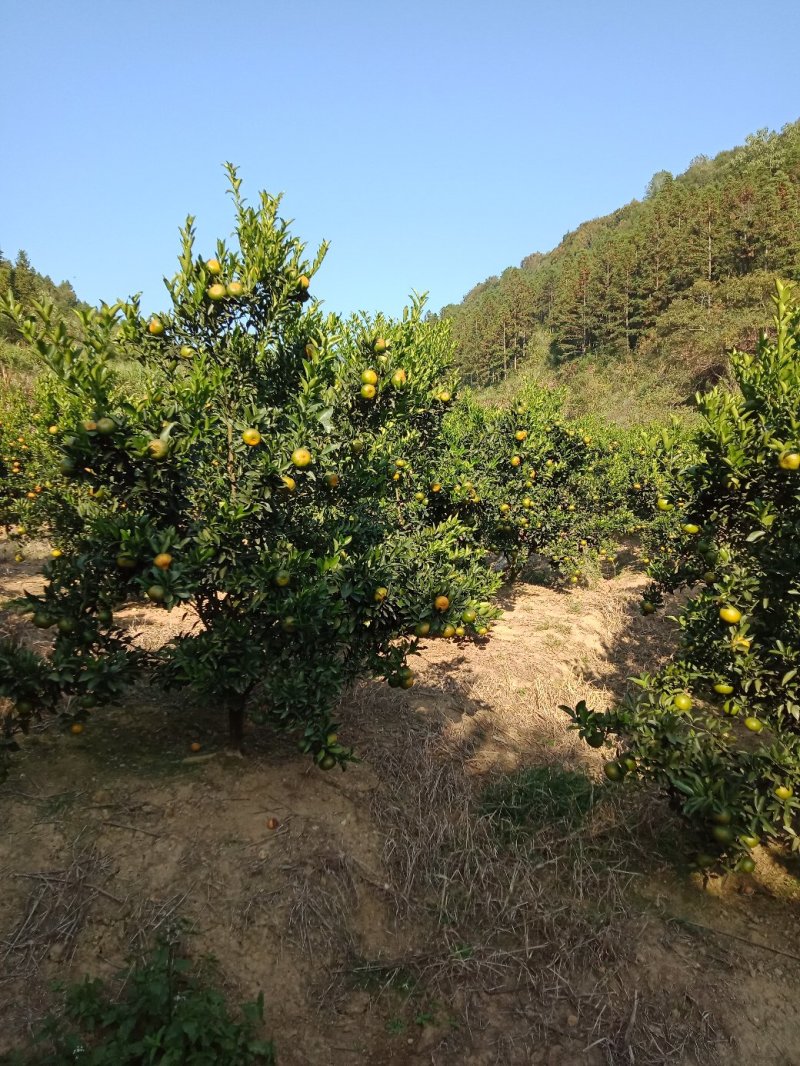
x: 719, y: 726
x: 529, y: 480
x: 252, y: 477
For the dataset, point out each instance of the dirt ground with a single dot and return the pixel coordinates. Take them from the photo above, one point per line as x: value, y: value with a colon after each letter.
x: 393, y: 916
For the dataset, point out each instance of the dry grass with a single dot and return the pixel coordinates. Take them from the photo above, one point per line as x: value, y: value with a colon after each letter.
x: 54, y: 914
x: 544, y: 921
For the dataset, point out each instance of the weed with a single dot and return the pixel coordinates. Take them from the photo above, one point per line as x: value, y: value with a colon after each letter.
x: 167, y: 1012
x: 538, y: 796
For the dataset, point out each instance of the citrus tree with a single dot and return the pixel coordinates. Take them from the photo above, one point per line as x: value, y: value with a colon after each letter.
x: 259, y: 471
x: 719, y: 726
x: 529, y: 480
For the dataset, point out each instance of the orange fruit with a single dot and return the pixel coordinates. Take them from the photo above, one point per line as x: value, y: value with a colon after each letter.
x: 235, y: 288
x: 195, y: 746
x: 163, y: 561
x: 251, y: 437
x: 441, y: 603
x: 158, y: 448
x: 155, y: 327
x: 213, y: 266
x: 789, y: 460
x: 379, y: 346
x: 76, y: 728
x: 368, y: 392
x: 730, y: 615
x: 301, y: 457
x: 217, y: 292
x: 369, y: 377
x: 272, y: 823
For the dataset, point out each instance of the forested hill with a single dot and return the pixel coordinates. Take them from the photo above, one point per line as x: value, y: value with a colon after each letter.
x: 682, y: 275
x: 28, y: 285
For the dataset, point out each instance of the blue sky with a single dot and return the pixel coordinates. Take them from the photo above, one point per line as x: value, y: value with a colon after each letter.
x: 433, y: 143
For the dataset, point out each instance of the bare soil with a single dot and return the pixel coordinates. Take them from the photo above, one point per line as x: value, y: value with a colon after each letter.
x: 391, y: 917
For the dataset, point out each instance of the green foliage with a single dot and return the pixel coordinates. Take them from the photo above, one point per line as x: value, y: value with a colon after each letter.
x: 255, y: 475
x: 678, y: 278
x: 530, y: 481
x: 166, y: 1012
x: 719, y: 727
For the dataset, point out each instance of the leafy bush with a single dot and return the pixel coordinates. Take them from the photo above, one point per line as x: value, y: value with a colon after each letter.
x: 719, y: 727
x: 167, y: 1013
x: 265, y: 476
x: 531, y: 481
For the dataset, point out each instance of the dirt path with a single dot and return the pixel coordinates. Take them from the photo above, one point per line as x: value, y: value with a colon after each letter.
x: 397, y: 914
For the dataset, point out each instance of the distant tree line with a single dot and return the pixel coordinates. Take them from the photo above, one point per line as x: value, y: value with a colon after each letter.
x: 684, y: 273
x: 27, y: 286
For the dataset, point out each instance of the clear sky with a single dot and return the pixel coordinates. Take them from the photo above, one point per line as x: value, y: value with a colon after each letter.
x: 432, y: 143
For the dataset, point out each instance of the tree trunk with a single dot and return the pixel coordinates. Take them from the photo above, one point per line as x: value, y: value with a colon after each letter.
x: 236, y: 727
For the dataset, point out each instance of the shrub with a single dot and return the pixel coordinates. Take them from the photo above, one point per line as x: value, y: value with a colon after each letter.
x: 167, y: 1012
x: 265, y: 476
x: 531, y: 481
x: 719, y: 727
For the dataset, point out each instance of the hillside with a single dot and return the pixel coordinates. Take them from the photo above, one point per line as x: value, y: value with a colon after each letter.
x: 27, y: 286
x: 672, y: 281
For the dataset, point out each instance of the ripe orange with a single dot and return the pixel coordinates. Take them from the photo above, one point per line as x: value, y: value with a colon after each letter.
x: 380, y: 346
x: 399, y: 379
x: 289, y: 482
x: 76, y: 728
x: 217, y: 292
x: 516, y: 460
x: 369, y: 377
x: 158, y: 448
x: 789, y: 460
x: 251, y: 437
x: 195, y: 746
x: 90, y: 425
x: 730, y: 615
x: 163, y: 561
x: 155, y: 327
x: 436, y: 487
x: 332, y: 480
x: 304, y: 283
x: 521, y: 434
x: 441, y: 603
x: 368, y: 392
x: 213, y: 266
x: 444, y: 397
x: 235, y: 288
x: 301, y: 457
